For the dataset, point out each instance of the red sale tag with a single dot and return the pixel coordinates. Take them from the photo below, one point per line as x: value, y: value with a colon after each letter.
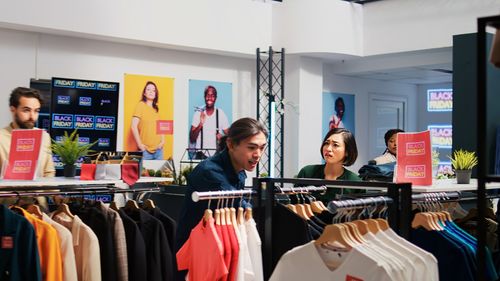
x: 164, y: 127
x: 352, y: 278
x: 7, y: 242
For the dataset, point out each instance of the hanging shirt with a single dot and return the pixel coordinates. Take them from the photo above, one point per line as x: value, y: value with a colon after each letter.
x: 120, y: 241
x: 48, y: 247
x: 136, y: 249
x: 235, y: 251
x: 452, y: 260
x: 254, y: 249
x: 85, y: 245
x: 170, y: 227
x: 202, y: 254
x: 67, y: 252
x: 158, y: 254
x: 429, y: 259
x: 98, y: 221
x: 19, y: 258
x: 245, y: 268
x: 214, y: 173
x: 304, y: 262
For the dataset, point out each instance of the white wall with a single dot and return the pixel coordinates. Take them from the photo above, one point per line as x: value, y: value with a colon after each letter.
x: 318, y: 26
x: 232, y: 26
x: 303, y: 96
x: 26, y: 55
x: 361, y: 88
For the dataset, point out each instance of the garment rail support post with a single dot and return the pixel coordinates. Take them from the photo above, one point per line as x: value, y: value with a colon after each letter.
x: 404, y: 202
x: 393, y: 193
x: 267, y: 185
x: 265, y: 195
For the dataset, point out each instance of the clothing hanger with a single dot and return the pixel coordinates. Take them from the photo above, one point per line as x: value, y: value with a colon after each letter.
x: 64, y: 209
x: 227, y: 211
x: 131, y: 205
x: 35, y: 210
x: 334, y: 233
x: 248, y: 210
x: 239, y: 217
x: 233, y: 213
x: 315, y: 205
x: 423, y: 220
x: 222, y: 213
x: 149, y: 204
x: 207, y: 215
x: 248, y: 214
x: 113, y: 206
x: 307, y: 207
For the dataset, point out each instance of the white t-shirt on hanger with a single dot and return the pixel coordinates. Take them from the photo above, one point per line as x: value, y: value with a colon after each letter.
x: 306, y: 263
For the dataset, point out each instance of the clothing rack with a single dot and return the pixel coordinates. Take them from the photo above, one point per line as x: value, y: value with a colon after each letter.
x: 208, y: 195
x: 335, y: 205
x: 267, y: 188
x: 76, y: 192
x: 300, y: 189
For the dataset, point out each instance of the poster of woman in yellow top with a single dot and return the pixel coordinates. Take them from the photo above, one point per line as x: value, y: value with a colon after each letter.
x: 148, y: 124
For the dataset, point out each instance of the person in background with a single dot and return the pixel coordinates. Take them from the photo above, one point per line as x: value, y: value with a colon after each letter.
x: 25, y: 104
x: 245, y: 142
x: 209, y: 123
x: 336, y: 119
x: 338, y: 150
x: 144, y: 124
x: 391, y: 149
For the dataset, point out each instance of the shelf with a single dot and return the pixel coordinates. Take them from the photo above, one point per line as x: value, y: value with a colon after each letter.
x: 447, y: 185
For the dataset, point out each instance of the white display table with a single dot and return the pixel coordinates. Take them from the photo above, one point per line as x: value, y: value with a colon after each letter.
x: 451, y: 185
x: 62, y: 181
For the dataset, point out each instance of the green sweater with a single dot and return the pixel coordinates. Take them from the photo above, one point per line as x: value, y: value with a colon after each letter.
x: 318, y: 172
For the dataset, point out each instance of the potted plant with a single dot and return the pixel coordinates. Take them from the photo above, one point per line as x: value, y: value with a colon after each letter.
x: 70, y: 150
x: 463, y: 161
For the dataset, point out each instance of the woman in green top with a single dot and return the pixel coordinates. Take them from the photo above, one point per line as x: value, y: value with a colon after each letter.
x: 338, y: 150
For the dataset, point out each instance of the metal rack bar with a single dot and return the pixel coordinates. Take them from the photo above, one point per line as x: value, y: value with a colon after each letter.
x: 335, y: 205
x: 207, y: 195
x: 299, y: 189
x: 76, y: 192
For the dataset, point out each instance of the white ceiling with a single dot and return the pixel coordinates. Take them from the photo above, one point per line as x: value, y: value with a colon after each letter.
x: 411, y: 75
x: 417, y: 67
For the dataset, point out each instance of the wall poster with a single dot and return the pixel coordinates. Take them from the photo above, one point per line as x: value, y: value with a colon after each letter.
x: 210, y: 115
x: 338, y: 112
x: 148, y: 116
x: 89, y: 106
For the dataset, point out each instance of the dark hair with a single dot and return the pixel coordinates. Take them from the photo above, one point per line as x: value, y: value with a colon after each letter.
x: 22, y: 92
x: 240, y: 130
x: 339, y: 100
x: 388, y: 135
x: 351, y: 150
x: 155, y: 101
x: 208, y: 88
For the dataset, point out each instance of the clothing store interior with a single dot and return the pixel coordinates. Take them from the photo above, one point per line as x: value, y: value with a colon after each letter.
x: 250, y: 140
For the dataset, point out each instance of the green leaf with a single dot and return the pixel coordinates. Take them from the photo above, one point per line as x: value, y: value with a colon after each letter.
x: 69, y: 149
x: 463, y: 159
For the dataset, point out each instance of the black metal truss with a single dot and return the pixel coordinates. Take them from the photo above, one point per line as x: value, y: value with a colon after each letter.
x: 270, y: 88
